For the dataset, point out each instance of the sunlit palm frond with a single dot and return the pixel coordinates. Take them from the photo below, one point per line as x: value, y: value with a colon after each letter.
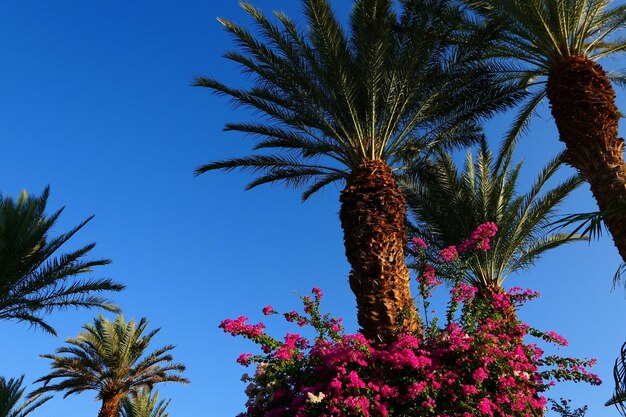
x: 144, y: 404
x: 110, y: 358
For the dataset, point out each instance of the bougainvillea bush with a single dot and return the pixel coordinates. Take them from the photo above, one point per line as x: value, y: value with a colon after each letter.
x: 477, y: 364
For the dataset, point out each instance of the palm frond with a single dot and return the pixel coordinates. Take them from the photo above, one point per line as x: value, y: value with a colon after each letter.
x: 447, y: 203
x: 34, y: 278
x: 11, y: 392
x: 619, y: 376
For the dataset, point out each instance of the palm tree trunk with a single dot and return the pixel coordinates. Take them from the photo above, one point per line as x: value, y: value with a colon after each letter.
x: 110, y: 406
x: 506, y: 315
x: 373, y: 218
x: 583, y: 106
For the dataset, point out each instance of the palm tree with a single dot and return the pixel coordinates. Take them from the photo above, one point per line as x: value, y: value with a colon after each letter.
x: 352, y: 108
x: 144, y: 404
x: 109, y: 358
x: 447, y: 203
x: 555, y: 44
x: 34, y: 278
x: 11, y: 392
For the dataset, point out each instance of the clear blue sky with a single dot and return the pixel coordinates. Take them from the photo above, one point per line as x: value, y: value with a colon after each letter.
x: 95, y: 100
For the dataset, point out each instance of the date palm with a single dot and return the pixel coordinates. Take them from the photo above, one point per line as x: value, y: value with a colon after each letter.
x: 11, y: 393
x: 111, y: 359
x: 352, y: 108
x: 554, y: 44
x: 35, y: 279
x: 447, y: 203
x: 144, y: 404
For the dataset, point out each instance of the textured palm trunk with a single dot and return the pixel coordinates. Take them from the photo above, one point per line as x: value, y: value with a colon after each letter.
x: 485, y: 297
x: 373, y: 214
x: 583, y: 106
x: 507, y: 316
x: 110, y: 406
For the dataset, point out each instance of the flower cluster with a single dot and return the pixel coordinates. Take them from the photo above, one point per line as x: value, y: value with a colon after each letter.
x: 467, y: 368
x: 477, y: 364
x: 480, y: 238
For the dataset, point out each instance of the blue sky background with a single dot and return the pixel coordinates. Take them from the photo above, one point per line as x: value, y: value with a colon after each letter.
x: 95, y: 100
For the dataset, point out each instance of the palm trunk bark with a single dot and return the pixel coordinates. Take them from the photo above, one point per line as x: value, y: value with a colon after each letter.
x: 110, y: 406
x: 583, y: 106
x: 507, y: 316
x: 373, y: 218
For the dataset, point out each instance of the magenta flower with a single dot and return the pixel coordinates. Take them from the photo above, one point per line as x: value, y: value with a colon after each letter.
x: 418, y: 244
x: 244, y: 359
x: 449, y: 254
x: 268, y: 310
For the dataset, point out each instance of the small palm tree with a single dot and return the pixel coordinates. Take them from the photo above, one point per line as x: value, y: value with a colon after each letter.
x: 110, y: 358
x: 144, y: 404
x: 555, y: 44
x: 447, y: 203
x: 34, y: 278
x: 352, y: 108
x: 11, y: 392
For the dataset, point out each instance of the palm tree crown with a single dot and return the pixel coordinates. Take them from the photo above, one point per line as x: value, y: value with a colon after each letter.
x: 555, y: 43
x: 110, y: 358
x: 448, y: 203
x: 352, y: 107
x: 379, y: 94
x: 34, y: 278
x: 535, y: 36
x: 11, y: 392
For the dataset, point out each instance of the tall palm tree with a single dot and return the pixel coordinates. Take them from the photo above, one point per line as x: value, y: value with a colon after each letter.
x: 144, y: 404
x: 447, y: 203
x: 34, y: 278
x: 352, y: 108
x: 11, y: 392
x: 555, y: 44
x: 110, y: 358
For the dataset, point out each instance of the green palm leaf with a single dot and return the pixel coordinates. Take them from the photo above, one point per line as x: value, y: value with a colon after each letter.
x: 144, y: 404
x: 11, y: 393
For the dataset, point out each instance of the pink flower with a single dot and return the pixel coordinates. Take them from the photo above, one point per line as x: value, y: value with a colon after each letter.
x: 418, y: 244
x: 427, y: 277
x: 268, y: 310
x: 485, y: 407
x: 485, y: 231
x: 244, y: 359
x: 480, y: 375
x: 240, y: 327
x: 317, y: 292
x: 462, y: 292
x: 449, y: 254
x: 415, y: 389
x: 557, y: 338
x: 469, y: 390
x: 292, y: 316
